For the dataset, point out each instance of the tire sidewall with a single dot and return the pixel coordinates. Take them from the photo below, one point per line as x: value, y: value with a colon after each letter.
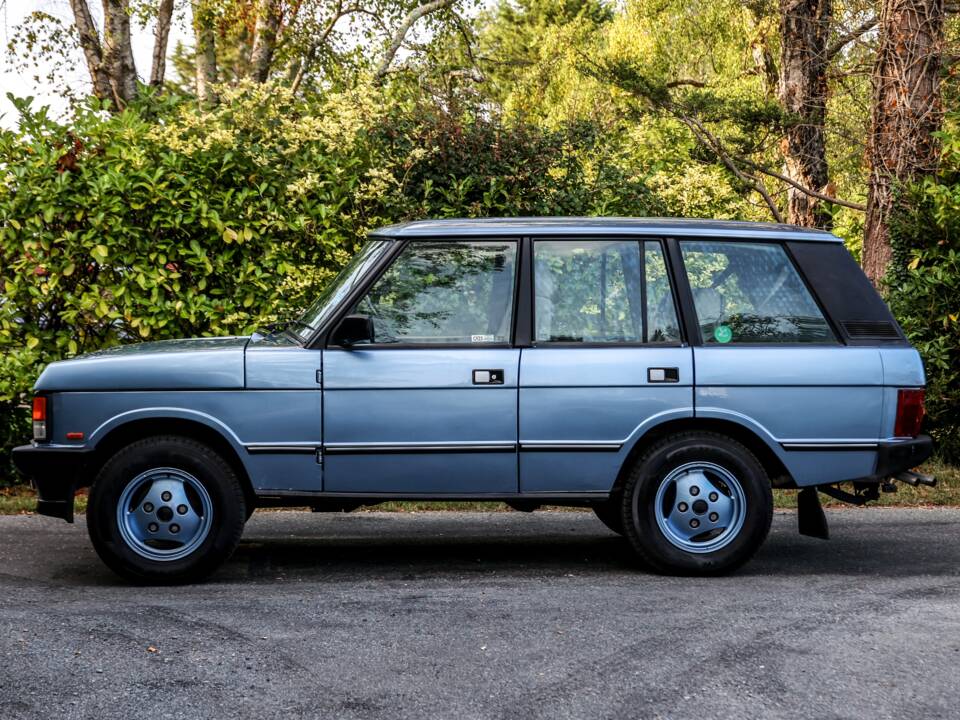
x: 209, y: 469
x: 640, y: 522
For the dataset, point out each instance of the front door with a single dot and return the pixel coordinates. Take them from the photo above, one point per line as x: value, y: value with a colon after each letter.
x: 607, y: 361
x: 430, y: 405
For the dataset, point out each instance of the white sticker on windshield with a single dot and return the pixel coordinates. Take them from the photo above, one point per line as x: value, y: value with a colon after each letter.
x: 482, y: 338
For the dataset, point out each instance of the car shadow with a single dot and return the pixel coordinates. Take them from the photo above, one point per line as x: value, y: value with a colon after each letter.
x: 861, y: 549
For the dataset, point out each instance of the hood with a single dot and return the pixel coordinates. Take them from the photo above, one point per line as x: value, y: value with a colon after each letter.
x: 196, y: 364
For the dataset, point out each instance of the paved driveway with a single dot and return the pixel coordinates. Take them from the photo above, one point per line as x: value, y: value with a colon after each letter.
x: 463, y: 615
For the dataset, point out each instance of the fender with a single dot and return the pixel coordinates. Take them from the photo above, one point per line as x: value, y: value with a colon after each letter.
x: 166, y: 413
x: 847, y: 459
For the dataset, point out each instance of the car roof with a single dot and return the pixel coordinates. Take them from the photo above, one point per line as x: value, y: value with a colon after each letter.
x: 566, y: 226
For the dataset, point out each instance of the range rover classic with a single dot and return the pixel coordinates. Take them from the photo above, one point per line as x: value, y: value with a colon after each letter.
x: 665, y: 373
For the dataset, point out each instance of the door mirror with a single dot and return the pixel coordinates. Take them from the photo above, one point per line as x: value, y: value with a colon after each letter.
x: 354, y: 329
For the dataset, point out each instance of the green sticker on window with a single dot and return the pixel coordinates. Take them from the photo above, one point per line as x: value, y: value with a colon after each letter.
x: 723, y: 334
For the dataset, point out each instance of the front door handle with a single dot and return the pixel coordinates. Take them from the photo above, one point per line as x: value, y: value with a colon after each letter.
x: 488, y: 377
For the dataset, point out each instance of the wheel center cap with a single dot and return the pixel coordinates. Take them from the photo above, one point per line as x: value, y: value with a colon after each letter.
x: 700, y: 507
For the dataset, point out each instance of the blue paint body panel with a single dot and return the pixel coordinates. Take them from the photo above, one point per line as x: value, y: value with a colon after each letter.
x: 422, y: 474
x: 202, y: 364
x: 399, y: 397
x: 798, y: 395
x: 283, y: 367
x: 244, y: 418
x: 593, y: 396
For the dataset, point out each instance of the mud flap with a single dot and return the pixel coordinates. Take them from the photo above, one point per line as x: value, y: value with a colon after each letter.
x: 810, y: 518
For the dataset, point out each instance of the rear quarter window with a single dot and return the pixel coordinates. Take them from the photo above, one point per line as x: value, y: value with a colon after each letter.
x: 849, y: 298
x: 751, y: 293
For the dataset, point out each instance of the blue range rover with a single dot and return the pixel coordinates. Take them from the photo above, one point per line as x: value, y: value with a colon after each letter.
x: 665, y: 373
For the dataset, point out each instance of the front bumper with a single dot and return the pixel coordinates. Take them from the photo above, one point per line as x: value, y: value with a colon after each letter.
x: 895, y: 457
x: 56, y: 473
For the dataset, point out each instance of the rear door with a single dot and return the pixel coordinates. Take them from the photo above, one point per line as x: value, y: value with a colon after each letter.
x: 607, y: 360
x: 430, y: 406
x: 770, y: 359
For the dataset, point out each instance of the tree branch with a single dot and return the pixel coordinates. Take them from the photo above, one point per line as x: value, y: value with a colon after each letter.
x: 841, y: 42
x: 705, y: 137
x: 685, y: 82
x: 401, y: 33
x: 473, y: 72
x: 805, y: 190
x: 308, y: 56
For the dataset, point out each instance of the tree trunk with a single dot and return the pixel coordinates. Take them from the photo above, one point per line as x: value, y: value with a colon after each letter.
x: 906, y: 111
x: 804, y: 31
x: 264, y: 39
x: 117, y: 50
x: 206, y: 53
x: 92, y: 50
x: 161, y: 33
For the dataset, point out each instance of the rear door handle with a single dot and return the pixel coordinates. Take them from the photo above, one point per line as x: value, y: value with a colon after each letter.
x: 663, y: 375
x: 488, y: 377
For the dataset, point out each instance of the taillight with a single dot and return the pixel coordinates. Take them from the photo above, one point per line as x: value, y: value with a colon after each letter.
x: 39, y: 418
x: 909, y: 413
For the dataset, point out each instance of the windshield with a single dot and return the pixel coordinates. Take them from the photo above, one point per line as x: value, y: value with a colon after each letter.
x: 332, y: 294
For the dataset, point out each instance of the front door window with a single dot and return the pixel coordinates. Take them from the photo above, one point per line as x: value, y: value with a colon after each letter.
x: 447, y: 292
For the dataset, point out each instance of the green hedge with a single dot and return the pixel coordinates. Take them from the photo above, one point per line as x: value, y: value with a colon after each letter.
x: 165, y: 221
x: 923, y: 287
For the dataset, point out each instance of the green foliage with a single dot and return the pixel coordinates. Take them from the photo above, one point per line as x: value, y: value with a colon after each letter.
x: 166, y: 221
x: 923, y: 288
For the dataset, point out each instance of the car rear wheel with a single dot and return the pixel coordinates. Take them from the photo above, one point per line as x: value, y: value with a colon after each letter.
x: 165, y: 510
x: 697, y: 503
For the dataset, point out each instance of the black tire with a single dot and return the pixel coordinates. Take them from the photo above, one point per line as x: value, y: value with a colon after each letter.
x: 201, y: 463
x: 652, y: 544
x: 610, y: 514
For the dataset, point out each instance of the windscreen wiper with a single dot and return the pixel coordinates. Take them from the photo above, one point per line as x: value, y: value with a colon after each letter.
x: 298, y: 323
x: 285, y: 324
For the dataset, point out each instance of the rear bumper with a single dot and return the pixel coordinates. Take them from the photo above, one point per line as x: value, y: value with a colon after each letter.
x: 895, y: 457
x: 56, y: 473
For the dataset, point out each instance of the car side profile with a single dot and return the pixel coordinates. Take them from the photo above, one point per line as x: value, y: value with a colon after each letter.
x: 665, y: 373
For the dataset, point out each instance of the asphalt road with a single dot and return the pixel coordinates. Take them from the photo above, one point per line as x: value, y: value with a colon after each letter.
x: 510, y: 615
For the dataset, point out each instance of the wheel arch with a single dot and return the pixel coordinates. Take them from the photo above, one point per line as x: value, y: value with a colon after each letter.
x: 123, y: 433
x: 778, y: 473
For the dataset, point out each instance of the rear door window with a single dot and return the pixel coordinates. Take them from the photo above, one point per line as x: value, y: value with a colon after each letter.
x: 751, y: 293
x: 603, y: 291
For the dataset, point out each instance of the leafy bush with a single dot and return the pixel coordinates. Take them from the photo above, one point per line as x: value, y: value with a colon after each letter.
x: 923, y: 288
x: 165, y: 221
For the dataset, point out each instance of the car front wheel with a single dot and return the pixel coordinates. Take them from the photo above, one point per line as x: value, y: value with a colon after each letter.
x: 165, y: 510
x: 697, y: 503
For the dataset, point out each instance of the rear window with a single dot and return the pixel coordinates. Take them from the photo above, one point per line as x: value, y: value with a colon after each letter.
x: 751, y: 293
